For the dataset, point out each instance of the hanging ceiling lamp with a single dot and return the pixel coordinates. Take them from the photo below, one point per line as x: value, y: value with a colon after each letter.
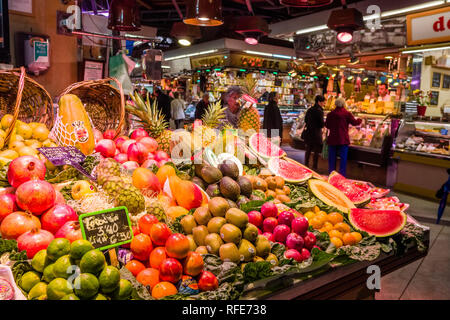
x: 124, y: 16
x: 252, y: 28
x: 306, y: 3
x: 204, y: 13
x: 186, y: 34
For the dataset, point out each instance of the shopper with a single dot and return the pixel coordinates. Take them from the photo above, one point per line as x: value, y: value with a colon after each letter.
x: 273, y: 122
x: 442, y: 194
x: 202, y: 106
x: 163, y: 101
x: 312, y: 134
x: 177, y: 110
x: 338, y: 140
x: 232, y: 105
x: 383, y: 92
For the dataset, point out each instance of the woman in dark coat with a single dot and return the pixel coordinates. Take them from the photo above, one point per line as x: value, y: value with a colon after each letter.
x: 312, y: 134
x: 272, y: 118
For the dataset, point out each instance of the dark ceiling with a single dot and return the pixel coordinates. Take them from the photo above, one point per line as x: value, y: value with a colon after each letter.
x: 161, y: 14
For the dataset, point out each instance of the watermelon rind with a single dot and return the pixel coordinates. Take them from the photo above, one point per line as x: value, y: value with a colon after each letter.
x: 259, y: 152
x: 343, y: 184
x: 362, y: 224
x: 323, y: 191
x: 274, y: 168
x: 314, y: 174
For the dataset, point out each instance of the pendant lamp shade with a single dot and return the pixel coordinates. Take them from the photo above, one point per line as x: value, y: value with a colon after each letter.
x: 124, y: 16
x: 204, y: 13
x: 306, y: 3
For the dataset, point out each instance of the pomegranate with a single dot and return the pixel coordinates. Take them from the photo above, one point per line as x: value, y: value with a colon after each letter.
x: 126, y: 144
x: 106, y: 147
x: 269, y: 209
x: 109, y: 134
x: 59, y: 199
x: 56, y: 217
x: 18, y: 223
x: 149, y: 143
x: 137, y: 152
x: 97, y: 135
x: 70, y: 230
x: 120, y: 141
x: 121, y: 157
x: 130, y: 165
x: 138, y: 133
x: 161, y: 156
x: 34, y: 241
x: 8, y: 190
x: 35, y: 196
x: 25, y: 168
x: 7, y: 205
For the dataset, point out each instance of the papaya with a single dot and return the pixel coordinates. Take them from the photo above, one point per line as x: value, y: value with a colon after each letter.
x: 75, y: 120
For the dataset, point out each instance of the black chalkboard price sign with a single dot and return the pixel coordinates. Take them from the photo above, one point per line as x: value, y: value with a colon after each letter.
x: 107, y: 228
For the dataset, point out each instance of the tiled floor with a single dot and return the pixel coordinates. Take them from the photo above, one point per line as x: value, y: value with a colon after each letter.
x: 427, y: 278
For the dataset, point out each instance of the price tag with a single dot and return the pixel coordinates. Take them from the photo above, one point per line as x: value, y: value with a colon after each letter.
x: 107, y: 228
x: 60, y: 156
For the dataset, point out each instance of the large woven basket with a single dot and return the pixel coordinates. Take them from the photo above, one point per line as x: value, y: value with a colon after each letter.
x: 104, y: 103
x: 25, y: 99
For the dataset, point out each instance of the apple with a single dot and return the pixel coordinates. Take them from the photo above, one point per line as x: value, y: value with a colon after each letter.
x: 294, y: 241
x: 310, y: 240
x: 149, y: 143
x: 126, y: 144
x: 137, y: 152
x: 121, y: 157
x: 268, y: 235
x: 269, y: 224
x: 98, y: 135
x: 130, y: 165
x: 106, y: 147
x: 256, y: 218
x: 286, y: 218
x: 207, y: 281
x: 269, y: 209
x: 293, y: 254
x: 170, y: 270
x: 120, y: 140
x: 300, y: 226
x: 109, y: 134
x: 149, y: 164
x: 138, y: 133
x: 305, y: 254
x: 81, y: 189
x: 281, y: 232
x: 161, y: 155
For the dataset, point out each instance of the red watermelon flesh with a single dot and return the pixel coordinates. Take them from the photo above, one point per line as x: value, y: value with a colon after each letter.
x: 289, y: 170
x: 356, y: 194
x: 380, y: 223
x: 264, y: 147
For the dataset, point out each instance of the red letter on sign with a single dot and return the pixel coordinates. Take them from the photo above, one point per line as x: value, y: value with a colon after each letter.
x: 439, y: 25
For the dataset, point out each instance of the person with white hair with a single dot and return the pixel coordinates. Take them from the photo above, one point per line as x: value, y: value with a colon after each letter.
x: 338, y: 140
x: 232, y: 105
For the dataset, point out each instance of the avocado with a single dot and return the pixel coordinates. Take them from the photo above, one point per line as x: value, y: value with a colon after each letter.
x: 237, y: 217
x: 213, y: 242
x: 199, y: 233
x: 213, y: 190
x: 230, y: 233
x: 262, y: 246
x: 188, y: 223
x: 198, y: 181
x: 218, y: 206
x: 202, y: 215
x: 272, y: 259
x: 215, y: 224
x: 229, y: 252
x: 192, y: 244
x: 247, y: 250
x: 250, y: 232
x: 229, y: 169
x: 229, y: 188
x: 246, y: 186
x: 242, y: 200
x: 211, y: 174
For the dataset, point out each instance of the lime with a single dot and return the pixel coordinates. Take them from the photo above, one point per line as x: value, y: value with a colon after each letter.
x: 99, y: 296
x: 58, y: 288
x: 29, y: 280
x: 40, y: 261
x: 93, y: 262
x: 109, y: 279
x: 58, y: 248
x: 70, y: 297
x: 64, y: 267
x: 123, y: 292
x: 38, y: 291
x: 86, y: 285
x: 48, y: 273
x: 79, y: 247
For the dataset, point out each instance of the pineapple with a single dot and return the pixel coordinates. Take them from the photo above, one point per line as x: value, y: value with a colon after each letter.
x: 113, y: 185
x: 131, y: 198
x: 249, y: 118
x: 211, y: 119
x: 152, y: 120
x: 154, y: 207
x: 107, y: 168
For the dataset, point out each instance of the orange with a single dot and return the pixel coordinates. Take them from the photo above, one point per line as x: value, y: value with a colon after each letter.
x: 175, y: 212
x: 141, y: 246
x: 348, y: 239
x: 342, y: 226
x: 327, y: 226
x: 157, y: 256
x: 316, y: 209
x: 163, y: 289
x: 165, y: 172
x: 337, y: 242
x: 148, y: 277
x: 335, y: 217
x: 135, y: 266
x: 322, y: 215
x: 357, y: 236
x: 335, y: 234
x: 316, y: 223
x: 309, y: 215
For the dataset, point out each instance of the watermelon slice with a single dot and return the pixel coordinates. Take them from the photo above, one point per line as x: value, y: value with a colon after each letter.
x: 290, y: 171
x: 380, y: 223
x: 356, y: 194
x: 261, y: 145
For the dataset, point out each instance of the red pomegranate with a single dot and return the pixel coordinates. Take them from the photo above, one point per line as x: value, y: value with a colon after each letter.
x: 59, y: 199
x: 25, y: 168
x: 137, y: 152
x: 70, y: 230
x: 34, y: 241
x: 17, y: 223
x: 109, y: 134
x: 35, y: 196
x: 7, y: 205
x: 138, y: 133
x: 56, y: 217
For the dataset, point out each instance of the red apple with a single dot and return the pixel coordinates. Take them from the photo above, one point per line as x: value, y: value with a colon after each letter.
x: 286, y: 218
x: 109, y: 134
x: 161, y: 163
x: 293, y: 254
x: 207, y: 281
x: 149, y: 143
x: 119, y: 141
x: 170, y: 270
x: 269, y: 224
x: 138, y: 133
x: 106, y: 147
x: 310, y: 240
x: 25, y: 168
x: 137, y: 152
x: 268, y: 235
x: 7, y: 205
x: 305, y: 254
x: 294, y: 241
x: 281, y: 232
x: 130, y: 165
x: 300, y: 226
x: 269, y: 209
x: 255, y: 217
x: 149, y: 164
x: 121, y: 157
x: 56, y: 217
x: 161, y: 155
x: 98, y: 135
x: 126, y: 144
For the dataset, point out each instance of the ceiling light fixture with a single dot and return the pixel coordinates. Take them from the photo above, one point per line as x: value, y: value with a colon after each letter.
x: 345, y: 21
x: 204, y: 13
x: 185, y: 33
x: 252, y: 28
x: 124, y: 16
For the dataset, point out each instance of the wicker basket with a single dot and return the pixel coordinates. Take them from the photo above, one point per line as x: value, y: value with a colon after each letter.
x: 24, y: 98
x: 104, y: 103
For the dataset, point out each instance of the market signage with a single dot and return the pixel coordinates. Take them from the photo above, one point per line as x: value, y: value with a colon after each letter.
x: 428, y: 27
x: 254, y: 62
x: 210, y: 61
